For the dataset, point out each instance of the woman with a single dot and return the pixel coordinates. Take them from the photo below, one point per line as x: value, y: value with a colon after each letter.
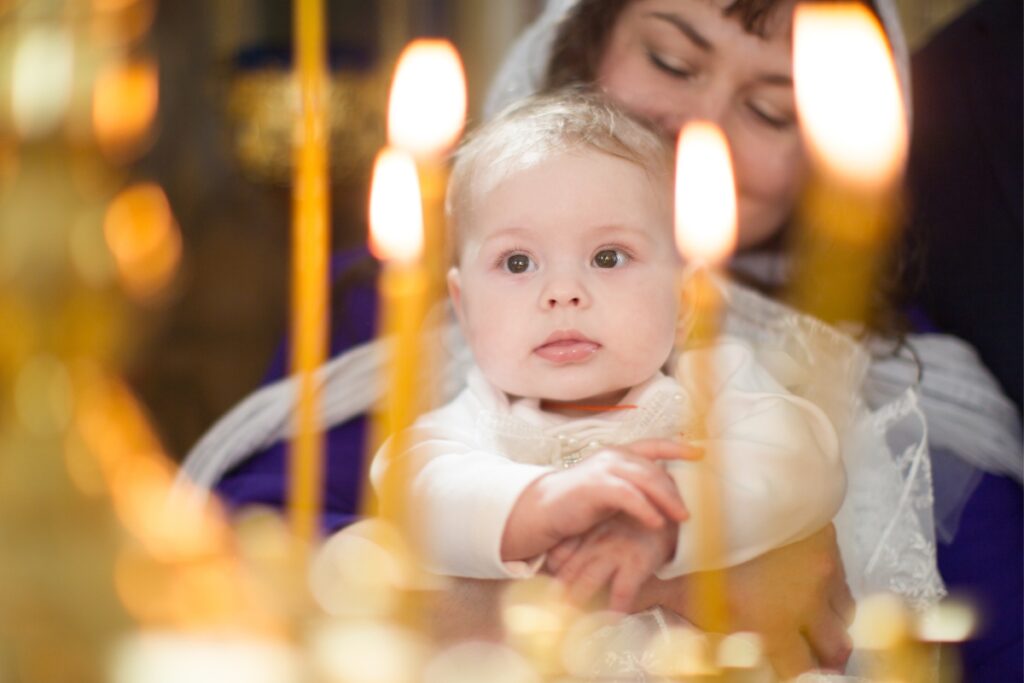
x: 671, y: 60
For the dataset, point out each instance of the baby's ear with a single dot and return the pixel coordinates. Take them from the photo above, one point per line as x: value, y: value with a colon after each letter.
x: 455, y: 290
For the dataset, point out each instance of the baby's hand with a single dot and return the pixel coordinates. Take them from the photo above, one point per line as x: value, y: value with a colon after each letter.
x: 618, y: 553
x: 566, y: 503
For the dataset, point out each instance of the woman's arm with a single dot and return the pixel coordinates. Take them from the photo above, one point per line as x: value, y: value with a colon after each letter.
x: 795, y: 597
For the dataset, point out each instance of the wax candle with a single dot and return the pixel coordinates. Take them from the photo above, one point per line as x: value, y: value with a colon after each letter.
x: 310, y: 245
x: 396, y: 238
x: 852, y: 118
x: 426, y: 116
x: 705, y: 225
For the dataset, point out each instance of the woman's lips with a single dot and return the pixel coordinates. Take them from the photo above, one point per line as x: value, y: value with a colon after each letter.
x: 564, y: 347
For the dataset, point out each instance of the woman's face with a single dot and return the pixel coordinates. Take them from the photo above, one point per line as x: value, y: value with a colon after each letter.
x: 671, y: 61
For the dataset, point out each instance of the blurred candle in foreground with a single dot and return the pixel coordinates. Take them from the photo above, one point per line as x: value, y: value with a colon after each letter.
x: 853, y: 121
x: 310, y: 245
x: 426, y: 116
x: 396, y: 238
x: 705, y: 196
x: 705, y: 228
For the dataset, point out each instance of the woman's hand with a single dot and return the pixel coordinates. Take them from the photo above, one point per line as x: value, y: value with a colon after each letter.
x: 795, y: 597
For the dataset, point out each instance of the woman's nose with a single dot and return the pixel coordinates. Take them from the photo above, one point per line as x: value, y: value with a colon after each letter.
x: 711, y: 106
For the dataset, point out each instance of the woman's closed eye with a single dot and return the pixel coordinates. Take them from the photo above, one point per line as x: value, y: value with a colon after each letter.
x: 771, y: 116
x: 671, y: 66
x: 610, y: 258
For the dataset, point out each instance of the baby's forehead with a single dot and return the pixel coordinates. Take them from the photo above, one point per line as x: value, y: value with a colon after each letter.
x: 579, y: 192
x: 560, y: 171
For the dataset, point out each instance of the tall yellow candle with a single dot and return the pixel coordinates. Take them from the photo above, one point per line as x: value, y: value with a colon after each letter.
x: 705, y: 223
x: 426, y: 116
x: 310, y: 244
x: 396, y: 238
x: 852, y: 117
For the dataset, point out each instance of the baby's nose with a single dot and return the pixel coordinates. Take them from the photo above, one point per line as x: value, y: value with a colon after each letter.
x: 564, y: 292
x: 566, y: 300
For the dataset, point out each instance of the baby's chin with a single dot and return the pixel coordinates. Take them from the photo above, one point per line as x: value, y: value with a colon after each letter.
x: 566, y: 392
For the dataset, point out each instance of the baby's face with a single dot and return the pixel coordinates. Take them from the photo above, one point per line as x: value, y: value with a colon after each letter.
x: 566, y: 284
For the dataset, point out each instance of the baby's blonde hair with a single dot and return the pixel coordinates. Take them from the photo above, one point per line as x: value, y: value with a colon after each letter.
x: 539, y: 128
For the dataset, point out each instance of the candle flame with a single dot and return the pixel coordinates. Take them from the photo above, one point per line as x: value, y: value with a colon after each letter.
x: 848, y: 93
x: 396, y: 215
x: 705, y: 194
x: 427, y: 104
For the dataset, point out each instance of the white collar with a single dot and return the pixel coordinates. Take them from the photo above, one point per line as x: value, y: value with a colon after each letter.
x: 519, y: 427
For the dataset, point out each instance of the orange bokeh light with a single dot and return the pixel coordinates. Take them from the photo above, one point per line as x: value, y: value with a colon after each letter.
x: 124, y: 105
x: 427, y: 103
x: 705, y: 195
x: 143, y: 239
x: 396, y: 215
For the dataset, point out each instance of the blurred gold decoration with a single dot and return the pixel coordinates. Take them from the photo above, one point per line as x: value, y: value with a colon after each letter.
x: 92, y: 552
x: 264, y: 103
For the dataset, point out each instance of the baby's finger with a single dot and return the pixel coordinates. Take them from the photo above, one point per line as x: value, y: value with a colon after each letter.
x: 654, y: 483
x: 591, y: 577
x: 561, y: 553
x: 829, y: 641
x: 665, y: 449
x: 621, y: 495
x: 625, y: 586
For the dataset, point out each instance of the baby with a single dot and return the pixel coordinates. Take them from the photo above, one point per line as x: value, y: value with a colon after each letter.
x: 565, y: 451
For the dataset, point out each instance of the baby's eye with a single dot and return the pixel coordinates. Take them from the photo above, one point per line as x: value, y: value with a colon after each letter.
x: 518, y: 263
x: 610, y: 258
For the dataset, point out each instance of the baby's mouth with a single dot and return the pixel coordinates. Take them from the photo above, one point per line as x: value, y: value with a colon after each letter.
x: 567, y: 347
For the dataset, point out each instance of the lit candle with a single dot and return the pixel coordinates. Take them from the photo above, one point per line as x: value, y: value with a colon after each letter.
x: 705, y: 228
x: 851, y: 113
x: 397, y: 239
x: 426, y: 116
x: 310, y: 244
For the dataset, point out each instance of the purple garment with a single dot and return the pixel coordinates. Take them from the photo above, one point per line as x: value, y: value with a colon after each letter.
x: 261, y: 479
x: 985, y: 563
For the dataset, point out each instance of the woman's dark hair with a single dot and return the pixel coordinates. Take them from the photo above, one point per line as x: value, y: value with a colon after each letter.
x: 582, y: 37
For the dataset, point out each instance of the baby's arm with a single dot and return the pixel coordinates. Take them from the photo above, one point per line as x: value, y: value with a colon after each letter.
x: 464, y: 499
x: 565, y: 503
x: 776, y: 458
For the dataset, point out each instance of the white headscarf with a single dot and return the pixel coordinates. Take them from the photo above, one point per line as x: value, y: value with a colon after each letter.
x: 523, y: 70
